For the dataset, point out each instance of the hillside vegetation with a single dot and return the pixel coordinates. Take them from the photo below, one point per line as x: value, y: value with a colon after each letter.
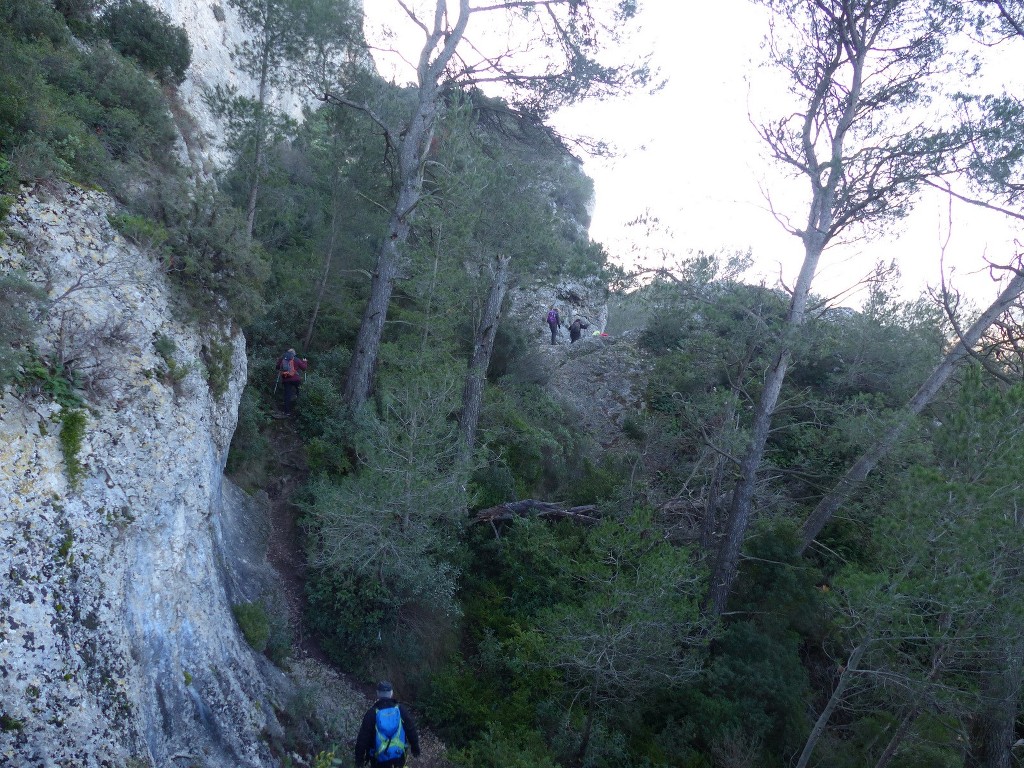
x: 893, y: 637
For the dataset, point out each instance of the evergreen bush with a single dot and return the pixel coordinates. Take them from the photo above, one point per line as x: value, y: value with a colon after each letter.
x: 72, y: 434
x: 254, y: 623
x: 20, y: 312
x: 146, y: 34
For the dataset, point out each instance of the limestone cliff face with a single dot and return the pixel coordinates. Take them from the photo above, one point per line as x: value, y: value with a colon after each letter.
x: 117, y: 640
x: 215, y: 32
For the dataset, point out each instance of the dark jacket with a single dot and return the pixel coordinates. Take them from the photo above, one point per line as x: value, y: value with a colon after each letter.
x: 576, y: 329
x: 366, y: 740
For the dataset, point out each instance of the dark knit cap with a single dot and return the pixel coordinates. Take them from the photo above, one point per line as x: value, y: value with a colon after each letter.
x: 384, y: 690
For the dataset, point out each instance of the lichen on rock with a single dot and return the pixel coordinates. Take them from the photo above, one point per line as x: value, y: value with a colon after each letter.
x: 117, y: 642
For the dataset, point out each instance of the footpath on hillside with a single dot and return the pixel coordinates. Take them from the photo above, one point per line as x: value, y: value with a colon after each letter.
x: 311, y: 668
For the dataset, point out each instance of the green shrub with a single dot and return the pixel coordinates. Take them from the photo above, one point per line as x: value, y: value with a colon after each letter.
x: 501, y: 748
x: 173, y: 373
x: 8, y: 723
x: 72, y: 434
x: 80, y: 14
x: 78, y: 113
x: 31, y: 20
x: 140, y: 230
x: 218, y: 356
x: 209, y: 255
x: 254, y: 623
x: 37, y: 377
x: 349, y: 614
x: 20, y: 309
x: 15, y: 97
x: 146, y: 34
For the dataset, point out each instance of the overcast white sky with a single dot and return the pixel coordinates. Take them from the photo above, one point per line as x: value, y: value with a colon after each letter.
x: 690, y: 156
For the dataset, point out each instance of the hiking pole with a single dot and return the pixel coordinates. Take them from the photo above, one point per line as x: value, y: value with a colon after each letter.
x: 277, y: 379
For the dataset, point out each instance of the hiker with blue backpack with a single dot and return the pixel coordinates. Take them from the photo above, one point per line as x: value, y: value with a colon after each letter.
x: 388, y: 732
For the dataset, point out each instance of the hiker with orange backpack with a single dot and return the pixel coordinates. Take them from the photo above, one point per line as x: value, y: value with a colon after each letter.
x: 387, y: 732
x: 289, y: 374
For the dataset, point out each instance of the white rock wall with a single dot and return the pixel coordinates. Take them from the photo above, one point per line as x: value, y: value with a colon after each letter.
x: 215, y: 31
x: 117, y: 642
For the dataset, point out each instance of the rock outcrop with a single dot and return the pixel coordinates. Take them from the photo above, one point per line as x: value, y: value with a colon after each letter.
x: 118, y: 646
x: 587, y: 300
x: 601, y: 380
x: 215, y: 32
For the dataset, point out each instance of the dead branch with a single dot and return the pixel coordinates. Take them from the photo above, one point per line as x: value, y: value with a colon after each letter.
x: 531, y: 507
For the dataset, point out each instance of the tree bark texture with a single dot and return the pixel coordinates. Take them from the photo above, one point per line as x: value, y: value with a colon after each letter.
x: 992, y: 728
x: 413, y: 142
x: 837, y: 696
x: 483, y: 346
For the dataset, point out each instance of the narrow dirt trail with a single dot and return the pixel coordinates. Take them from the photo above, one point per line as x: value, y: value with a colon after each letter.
x: 286, y: 553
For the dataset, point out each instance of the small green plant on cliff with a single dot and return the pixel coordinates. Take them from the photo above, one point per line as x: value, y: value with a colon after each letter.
x: 174, y: 373
x: 8, y: 723
x: 64, y: 550
x: 217, y: 355
x: 144, y: 232
x: 255, y: 625
x: 71, y: 435
x: 38, y: 377
x: 327, y: 759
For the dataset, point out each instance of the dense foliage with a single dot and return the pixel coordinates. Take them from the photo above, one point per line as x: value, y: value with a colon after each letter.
x: 539, y: 643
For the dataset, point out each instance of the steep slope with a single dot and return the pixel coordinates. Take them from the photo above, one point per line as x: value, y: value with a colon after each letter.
x: 602, y: 380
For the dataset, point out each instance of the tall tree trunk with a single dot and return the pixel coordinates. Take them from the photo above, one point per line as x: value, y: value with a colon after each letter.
x: 992, y: 729
x: 328, y: 257
x: 824, y: 176
x: 837, y: 696
x: 866, y: 463
x: 413, y: 143
x: 743, y: 494
x: 259, y: 141
x: 389, y: 258
x: 483, y: 346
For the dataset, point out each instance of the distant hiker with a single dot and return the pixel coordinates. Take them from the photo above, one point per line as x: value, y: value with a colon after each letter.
x: 289, y: 371
x: 576, y: 330
x: 553, y: 321
x: 388, y: 732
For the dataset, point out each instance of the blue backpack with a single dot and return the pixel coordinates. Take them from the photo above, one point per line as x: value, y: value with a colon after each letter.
x: 552, y: 317
x: 390, y: 740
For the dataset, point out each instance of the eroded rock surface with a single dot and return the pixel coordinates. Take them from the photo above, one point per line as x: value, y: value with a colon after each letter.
x: 117, y: 642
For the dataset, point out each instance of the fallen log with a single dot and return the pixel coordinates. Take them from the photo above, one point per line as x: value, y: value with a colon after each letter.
x: 585, y: 514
